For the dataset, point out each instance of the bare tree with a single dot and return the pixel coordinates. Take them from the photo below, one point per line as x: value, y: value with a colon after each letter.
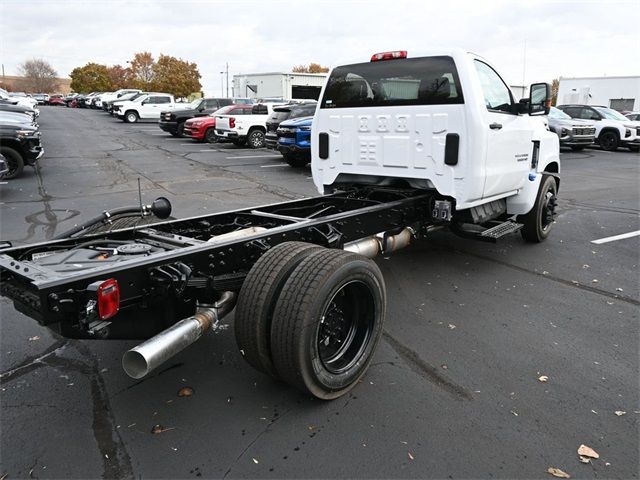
x: 39, y: 76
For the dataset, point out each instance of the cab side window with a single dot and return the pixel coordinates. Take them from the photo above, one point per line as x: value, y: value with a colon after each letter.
x: 497, y: 96
x: 163, y: 100
x: 589, y: 114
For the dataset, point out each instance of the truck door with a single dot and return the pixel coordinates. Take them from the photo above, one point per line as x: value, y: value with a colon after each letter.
x: 509, y: 135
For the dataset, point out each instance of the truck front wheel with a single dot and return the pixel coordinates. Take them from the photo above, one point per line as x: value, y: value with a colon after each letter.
x: 131, y: 117
x: 609, y: 140
x: 539, y: 221
x: 327, y: 322
x: 15, y: 163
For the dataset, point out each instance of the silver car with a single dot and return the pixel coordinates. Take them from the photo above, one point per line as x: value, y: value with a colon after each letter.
x: 573, y: 132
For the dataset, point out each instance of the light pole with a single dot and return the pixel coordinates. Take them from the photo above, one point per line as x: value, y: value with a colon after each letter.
x: 221, y: 84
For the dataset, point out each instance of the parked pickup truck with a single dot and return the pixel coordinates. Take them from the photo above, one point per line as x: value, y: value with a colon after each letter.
x: 105, y: 98
x: 145, y: 107
x: 294, y: 141
x: 400, y: 147
x: 286, y: 112
x: 172, y: 121
x: 249, y: 129
x: 20, y: 144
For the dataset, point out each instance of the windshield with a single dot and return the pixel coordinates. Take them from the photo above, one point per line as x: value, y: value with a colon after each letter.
x: 412, y: 81
x: 558, y: 114
x: 610, y: 114
x: 222, y: 111
x: 195, y: 104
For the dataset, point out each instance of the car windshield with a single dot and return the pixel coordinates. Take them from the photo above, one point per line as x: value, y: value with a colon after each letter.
x: 558, y: 114
x: 195, y: 104
x: 610, y: 114
x: 221, y: 111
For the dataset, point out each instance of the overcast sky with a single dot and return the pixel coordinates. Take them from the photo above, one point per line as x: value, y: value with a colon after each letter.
x: 563, y: 38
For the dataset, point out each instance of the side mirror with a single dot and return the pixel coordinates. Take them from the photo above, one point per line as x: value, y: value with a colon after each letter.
x: 539, y: 99
x: 144, y: 102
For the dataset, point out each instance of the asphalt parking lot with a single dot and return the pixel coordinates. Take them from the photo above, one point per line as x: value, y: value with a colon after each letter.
x: 453, y: 391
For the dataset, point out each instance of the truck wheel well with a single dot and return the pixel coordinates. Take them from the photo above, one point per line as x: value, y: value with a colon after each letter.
x: 14, y: 144
x: 257, y: 128
x: 552, y: 168
x: 609, y: 129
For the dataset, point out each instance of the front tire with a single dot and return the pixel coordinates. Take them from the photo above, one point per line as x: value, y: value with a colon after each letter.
x: 131, y: 117
x: 296, y: 161
x: 255, y: 138
x: 210, y: 135
x: 609, y: 141
x: 327, y: 322
x: 539, y: 221
x: 15, y: 163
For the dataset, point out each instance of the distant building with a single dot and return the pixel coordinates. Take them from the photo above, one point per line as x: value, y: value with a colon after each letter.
x: 619, y: 93
x: 17, y: 84
x: 279, y: 85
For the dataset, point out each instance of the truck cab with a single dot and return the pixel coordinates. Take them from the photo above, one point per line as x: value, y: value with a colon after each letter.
x: 445, y: 121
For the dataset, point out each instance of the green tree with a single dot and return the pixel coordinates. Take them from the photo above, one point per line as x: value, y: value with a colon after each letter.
x: 176, y: 76
x: 93, y: 77
x: 555, y: 86
x: 121, y: 77
x: 142, y: 70
x: 39, y: 76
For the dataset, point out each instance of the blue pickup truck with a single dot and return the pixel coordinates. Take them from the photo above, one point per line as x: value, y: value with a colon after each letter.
x: 294, y: 141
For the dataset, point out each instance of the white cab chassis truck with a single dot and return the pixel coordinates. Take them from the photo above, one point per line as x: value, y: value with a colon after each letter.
x: 401, y: 146
x: 445, y: 121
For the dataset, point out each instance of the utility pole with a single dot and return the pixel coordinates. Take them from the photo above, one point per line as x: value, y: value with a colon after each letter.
x: 221, y: 84
x: 227, y: 70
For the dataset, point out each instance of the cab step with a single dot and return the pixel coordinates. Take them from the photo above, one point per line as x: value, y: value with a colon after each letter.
x: 501, y: 230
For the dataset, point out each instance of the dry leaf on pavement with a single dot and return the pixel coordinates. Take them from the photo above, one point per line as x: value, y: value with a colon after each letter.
x: 185, y: 392
x: 543, y: 378
x: 255, y: 461
x: 410, y: 456
x: 33, y: 339
x: 556, y: 472
x: 160, y: 429
x: 620, y: 413
x: 585, y: 451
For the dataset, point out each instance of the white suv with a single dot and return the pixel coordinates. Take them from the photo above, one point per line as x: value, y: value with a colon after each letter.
x: 613, y: 129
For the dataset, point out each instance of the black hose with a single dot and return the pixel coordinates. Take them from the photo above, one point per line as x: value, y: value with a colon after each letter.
x: 100, y: 218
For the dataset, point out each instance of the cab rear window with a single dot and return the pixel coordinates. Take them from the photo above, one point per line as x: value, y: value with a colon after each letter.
x: 411, y: 81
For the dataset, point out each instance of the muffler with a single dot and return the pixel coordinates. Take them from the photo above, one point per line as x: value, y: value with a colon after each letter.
x: 141, y: 360
x: 380, y: 243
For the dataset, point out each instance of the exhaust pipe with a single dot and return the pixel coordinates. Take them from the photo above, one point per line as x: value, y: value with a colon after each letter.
x: 140, y: 360
x: 372, y: 246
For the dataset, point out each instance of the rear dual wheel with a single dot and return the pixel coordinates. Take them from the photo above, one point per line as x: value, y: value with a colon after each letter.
x: 325, y: 311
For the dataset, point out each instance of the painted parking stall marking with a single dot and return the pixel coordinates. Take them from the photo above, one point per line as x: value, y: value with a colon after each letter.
x: 622, y: 236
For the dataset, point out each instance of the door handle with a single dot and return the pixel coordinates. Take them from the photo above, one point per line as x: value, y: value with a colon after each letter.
x: 495, y: 126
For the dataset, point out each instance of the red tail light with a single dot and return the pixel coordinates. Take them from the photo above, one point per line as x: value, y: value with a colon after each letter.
x: 376, y: 57
x: 232, y: 122
x: 108, y: 294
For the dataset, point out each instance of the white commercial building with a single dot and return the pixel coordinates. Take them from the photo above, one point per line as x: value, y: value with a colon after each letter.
x: 279, y: 85
x: 619, y: 93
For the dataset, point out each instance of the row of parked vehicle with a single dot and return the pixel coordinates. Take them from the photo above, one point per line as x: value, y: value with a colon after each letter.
x: 579, y: 126
x: 274, y: 123
x: 20, y: 137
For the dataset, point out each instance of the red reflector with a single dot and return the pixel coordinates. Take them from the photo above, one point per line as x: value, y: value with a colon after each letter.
x: 232, y: 122
x: 108, y: 298
x: 376, y: 57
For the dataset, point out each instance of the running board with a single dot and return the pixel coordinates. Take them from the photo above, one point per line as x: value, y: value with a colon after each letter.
x: 501, y: 230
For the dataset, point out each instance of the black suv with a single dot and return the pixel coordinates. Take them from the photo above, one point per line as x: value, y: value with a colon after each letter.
x: 172, y: 121
x: 282, y: 113
x: 20, y: 145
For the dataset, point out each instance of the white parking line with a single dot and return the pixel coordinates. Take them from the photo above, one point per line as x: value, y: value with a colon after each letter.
x: 622, y: 236
x: 278, y: 165
x: 253, y: 156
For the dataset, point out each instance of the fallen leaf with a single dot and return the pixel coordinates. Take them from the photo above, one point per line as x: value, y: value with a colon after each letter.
x: 585, y: 459
x: 619, y: 290
x: 514, y: 413
x: 255, y: 461
x: 585, y: 451
x: 160, y: 429
x: 185, y: 392
x: 451, y: 326
x: 556, y: 472
x: 444, y: 367
x: 543, y: 378
x: 595, y: 280
x: 585, y: 266
x: 410, y: 456
x: 33, y: 339
x: 620, y: 413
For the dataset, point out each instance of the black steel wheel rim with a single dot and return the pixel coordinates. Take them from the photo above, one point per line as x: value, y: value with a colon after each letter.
x: 549, y: 209
x: 346, y: 327
x: 608, y: 140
